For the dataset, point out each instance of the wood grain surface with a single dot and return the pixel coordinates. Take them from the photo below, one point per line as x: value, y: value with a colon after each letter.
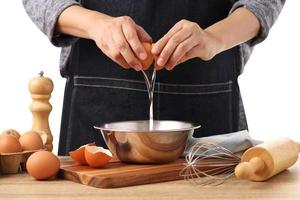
x: 267, y: 159
x: 282, y: 186
x: 118, y: 174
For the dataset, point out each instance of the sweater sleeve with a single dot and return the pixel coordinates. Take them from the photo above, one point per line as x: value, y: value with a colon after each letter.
x: 44, y: 13
x: 267, y: 11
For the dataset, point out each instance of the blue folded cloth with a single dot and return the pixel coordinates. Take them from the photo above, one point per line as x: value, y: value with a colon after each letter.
x: 236, y: 142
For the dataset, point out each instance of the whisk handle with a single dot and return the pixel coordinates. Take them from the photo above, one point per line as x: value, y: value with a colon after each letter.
x: 246, y: 170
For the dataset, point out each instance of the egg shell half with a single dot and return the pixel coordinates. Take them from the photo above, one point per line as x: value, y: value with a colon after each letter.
x: 78, y: 154
x: 97, y: 156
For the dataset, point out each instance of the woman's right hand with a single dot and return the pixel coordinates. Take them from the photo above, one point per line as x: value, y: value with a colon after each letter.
x: 120, y: 38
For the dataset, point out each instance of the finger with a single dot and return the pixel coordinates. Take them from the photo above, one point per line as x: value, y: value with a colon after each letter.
x: 122, y: 62
x: 117, y: 57
x: 189, y: 55
x: 181, y: 51
x: 171, y: 45
x: 119, y: 60
x: 133, y: 40
x: 159, y: 45
x: 110, y: 51
x: 158, y: 67
x: 143, y: 35
x: 123, y: 47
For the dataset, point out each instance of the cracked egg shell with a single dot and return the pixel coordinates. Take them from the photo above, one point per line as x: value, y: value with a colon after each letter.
x: 149, y: 60
x: 97, y: 156
x: 78, y: 154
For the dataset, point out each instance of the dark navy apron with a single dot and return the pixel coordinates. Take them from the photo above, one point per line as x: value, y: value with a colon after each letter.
x: 99, y: 91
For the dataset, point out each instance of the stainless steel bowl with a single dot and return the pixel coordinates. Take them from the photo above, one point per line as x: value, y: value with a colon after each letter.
x: 134, y: 142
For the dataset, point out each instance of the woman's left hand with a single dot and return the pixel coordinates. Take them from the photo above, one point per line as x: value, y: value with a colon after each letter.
x: 184, y: 41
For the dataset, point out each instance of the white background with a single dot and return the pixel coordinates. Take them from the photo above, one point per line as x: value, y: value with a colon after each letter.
x: 270, y: 84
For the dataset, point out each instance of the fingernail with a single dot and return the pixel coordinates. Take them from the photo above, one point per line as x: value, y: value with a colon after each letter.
x: 143, y: 56
x: 160, y: 62
x: 154, y: 49
x: 169, y: 67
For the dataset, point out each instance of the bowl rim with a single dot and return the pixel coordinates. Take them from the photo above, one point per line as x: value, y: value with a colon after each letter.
x: 103, y: 128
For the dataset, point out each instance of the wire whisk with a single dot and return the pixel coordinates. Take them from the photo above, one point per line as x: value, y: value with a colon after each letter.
x: 209, y: 164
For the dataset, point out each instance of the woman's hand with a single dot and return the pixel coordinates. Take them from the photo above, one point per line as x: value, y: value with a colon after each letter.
x: 120, y: 38
x: 186, y: 40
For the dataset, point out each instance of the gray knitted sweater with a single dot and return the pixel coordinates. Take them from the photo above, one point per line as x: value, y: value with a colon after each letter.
x: 44, y: 13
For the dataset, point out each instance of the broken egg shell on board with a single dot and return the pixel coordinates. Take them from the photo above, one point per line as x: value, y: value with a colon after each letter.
x: 78, y: 155
x: 97, y: 156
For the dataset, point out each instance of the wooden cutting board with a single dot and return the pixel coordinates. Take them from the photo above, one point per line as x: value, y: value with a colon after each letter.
x: 118, y: 174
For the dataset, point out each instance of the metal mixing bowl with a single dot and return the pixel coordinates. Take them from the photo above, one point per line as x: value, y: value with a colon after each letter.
x: 134, y: 142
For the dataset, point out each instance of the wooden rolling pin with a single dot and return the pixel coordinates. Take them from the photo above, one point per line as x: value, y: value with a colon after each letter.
x: 265, y: 160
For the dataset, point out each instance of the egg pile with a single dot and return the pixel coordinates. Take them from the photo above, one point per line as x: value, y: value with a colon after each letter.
x: 41, y: 164
x: 91, y: 155
x: 12, y: 142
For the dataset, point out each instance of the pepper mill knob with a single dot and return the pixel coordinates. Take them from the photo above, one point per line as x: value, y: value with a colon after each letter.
x: 41, y: 88
x: 41, y: 85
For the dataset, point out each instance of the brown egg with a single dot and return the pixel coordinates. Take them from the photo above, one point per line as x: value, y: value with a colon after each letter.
x: 42, y: 165
x: 9, y: 144
x: 11, y: 132
x: 78, y: 154
x: 149, y: 60
x: 31, y: 140
x: 97, y: 156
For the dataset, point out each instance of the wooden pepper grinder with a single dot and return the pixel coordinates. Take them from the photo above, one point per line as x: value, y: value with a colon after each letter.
x: 265, y: 160
x: 41, y: 88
